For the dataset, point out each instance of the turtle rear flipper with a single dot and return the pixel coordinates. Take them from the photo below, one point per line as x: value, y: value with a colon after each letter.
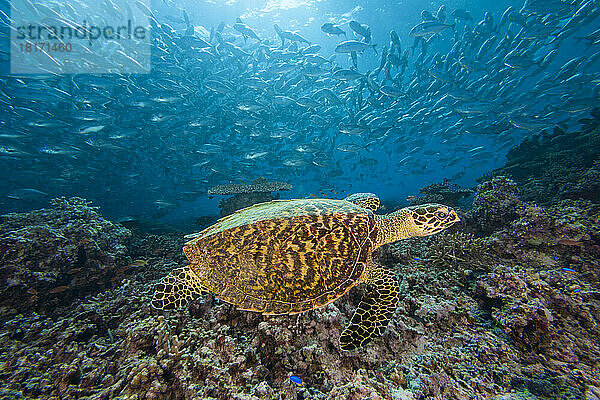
x: 177, y: 289
x: 374, y: 310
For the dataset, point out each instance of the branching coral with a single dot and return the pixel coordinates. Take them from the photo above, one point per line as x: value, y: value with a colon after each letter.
x: 459, y: 251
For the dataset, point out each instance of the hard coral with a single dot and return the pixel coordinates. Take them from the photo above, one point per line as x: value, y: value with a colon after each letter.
x: 459, y: 251
x: 556, y: 166
x: 445, y: 193
x: 571, y: 227
x: 50, y: 256
x: 246, y: 195
x: 547, y: 302
x: 546, y: 323
x: 496, y: 204
x: 259, y: 185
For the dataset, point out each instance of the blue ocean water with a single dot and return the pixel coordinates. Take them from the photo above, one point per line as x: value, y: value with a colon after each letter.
x: 152, y: 145
x: 128, y: 125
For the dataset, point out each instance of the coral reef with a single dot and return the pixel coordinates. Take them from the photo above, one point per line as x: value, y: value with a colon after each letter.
x: 556, y: 166
x: 114, y: 345
x: 571, y: 228
x: 508, y: 315
x: 51, y: 256
x: 402, y: 252
x: 259, y: 185
x: 246, y: 195
x: 588, y: 186
x: 232, y: 204
x: 458, y: 250
x: 496, y: 204
x: 444, y: 193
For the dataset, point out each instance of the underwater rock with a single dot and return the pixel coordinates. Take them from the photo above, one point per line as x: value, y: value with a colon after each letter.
x: 51, y: 256
x: 443, y: 193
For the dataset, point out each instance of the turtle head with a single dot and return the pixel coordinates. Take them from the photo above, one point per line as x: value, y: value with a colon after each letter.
x: 421, y: 220
x: 428, y: 219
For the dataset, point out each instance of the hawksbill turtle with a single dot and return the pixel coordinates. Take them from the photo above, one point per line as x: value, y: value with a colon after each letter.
x: 290, y: 256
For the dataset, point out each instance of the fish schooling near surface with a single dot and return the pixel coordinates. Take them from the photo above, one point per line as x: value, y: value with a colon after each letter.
x: 291, y: 256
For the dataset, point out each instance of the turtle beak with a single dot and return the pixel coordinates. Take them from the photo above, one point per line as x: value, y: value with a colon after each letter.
x: 455, y: 217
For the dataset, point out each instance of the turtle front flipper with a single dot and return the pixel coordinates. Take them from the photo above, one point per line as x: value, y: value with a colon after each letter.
x: 365, y: 200
x: 177, y: 289
x: 374, y: 310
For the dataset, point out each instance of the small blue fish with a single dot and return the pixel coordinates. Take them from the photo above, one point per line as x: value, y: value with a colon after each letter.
x: 554, y: 257
x: 417, y: 259
x: 296, y: 380
x: 569, y: 270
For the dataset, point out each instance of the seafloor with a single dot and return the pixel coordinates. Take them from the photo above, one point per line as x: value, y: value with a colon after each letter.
x: 504, y: 305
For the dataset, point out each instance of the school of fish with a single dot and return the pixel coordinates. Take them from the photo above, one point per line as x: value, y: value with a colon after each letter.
x: 233, y: 102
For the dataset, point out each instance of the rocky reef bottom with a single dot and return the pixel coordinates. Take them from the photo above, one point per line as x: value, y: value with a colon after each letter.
x: 505, y: 310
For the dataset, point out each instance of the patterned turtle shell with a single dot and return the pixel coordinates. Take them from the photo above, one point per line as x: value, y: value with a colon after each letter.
x: 284, y: 256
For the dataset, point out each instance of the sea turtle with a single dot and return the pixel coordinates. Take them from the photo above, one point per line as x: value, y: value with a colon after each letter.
x: 290, y: 256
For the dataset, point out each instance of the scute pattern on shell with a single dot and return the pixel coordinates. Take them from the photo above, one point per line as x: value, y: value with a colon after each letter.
x: 285, y: 256
x: 278, y: 209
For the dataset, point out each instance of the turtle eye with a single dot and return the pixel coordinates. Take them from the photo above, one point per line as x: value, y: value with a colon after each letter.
x: 441, y: 214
